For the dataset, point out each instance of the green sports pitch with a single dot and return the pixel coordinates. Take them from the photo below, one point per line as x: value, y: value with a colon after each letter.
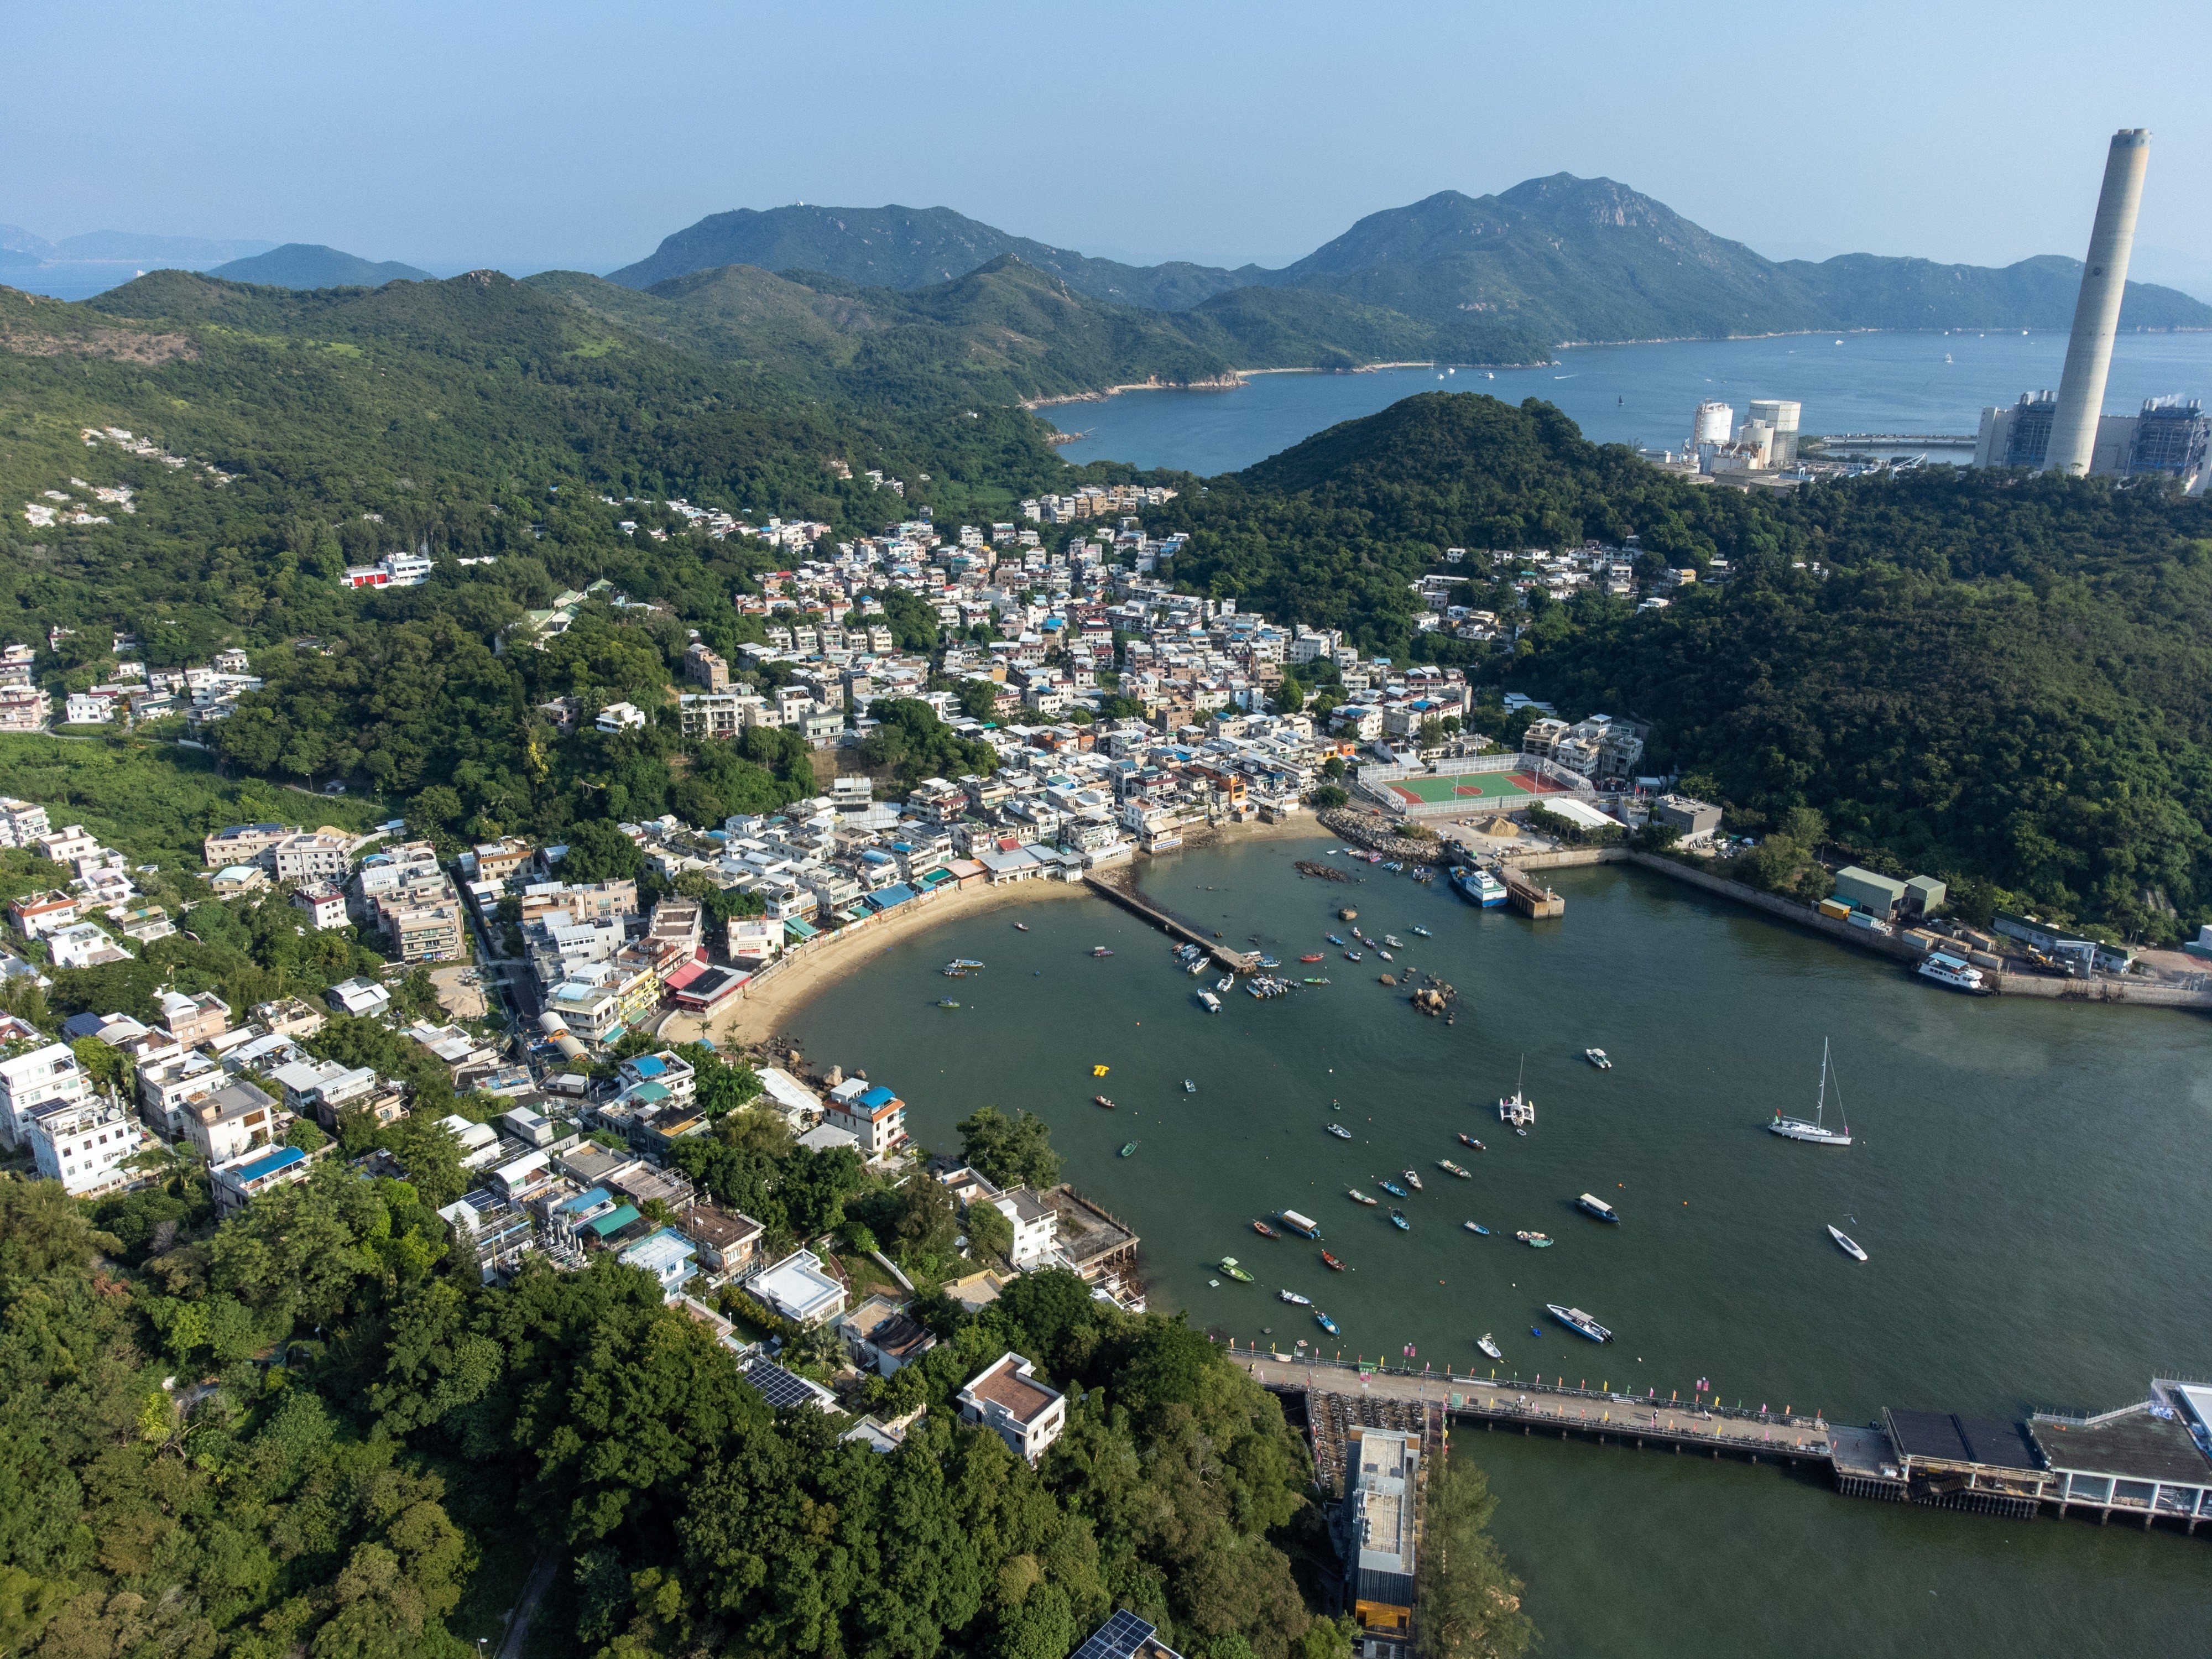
x: 1468, y: 785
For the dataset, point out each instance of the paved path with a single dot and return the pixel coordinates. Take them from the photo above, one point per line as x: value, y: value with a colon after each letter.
x: 533, y: 1591
x: 1535, y: 1404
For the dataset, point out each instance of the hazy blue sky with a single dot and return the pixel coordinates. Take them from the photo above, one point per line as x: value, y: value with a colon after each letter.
x: 453, y: 133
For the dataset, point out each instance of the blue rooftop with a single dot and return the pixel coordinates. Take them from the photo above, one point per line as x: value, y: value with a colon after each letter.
x: 648, y: 1065
x: 898, y: 893
x: 585, y: 1200
x: 878, y: 1096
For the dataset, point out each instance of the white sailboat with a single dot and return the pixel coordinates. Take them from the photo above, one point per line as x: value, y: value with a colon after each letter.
x: 1814, y: 1130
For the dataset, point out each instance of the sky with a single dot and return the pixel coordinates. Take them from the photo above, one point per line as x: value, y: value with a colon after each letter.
x: 558, y: 134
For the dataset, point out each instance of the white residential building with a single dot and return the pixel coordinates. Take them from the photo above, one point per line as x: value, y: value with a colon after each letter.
x: 83, y: 1143
x: 41, y: 1076
x: 1006, y: 1398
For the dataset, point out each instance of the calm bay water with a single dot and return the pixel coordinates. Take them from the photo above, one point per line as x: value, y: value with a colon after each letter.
x: 1644, y: 394
x: 2029, y: 1180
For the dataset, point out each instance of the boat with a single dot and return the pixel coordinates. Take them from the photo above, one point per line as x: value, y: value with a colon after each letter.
x: 1294, y: 1298
x: 1270, y: 962
x: 1229, y: 1266
x: 1535, y: 1241
x: 1264, y: 1230
x: 946, y: 1002
x: 1352, y: 955
x: 1523, y: 1134
x: 1333, y: 940
x: 1479, y: 887
x: 1598, y: 1207
x: 953, y: 973
x: 1313, y: 981
x: 1847, y: 1244
x: 1578, y: 1321
x: 1101, y: 1100
x: 1359, y: 1197
x: 1599, y: 1058
x: 1100, y: 950
x: 1398, y: 1220
x: 1516, y: 1108
x: 1450, y: 1167
x: 1213, y: 1002
x: 1129, y: 1150
x: 1476, y: 1227
x: 1947, y: 969
x: 1385, y: 955
x: 1315, y: 956
x: 1189, y: 1087
x: 967, y: 962
x: 1197, y: 966
x: 1413, y: 1180
x: 1331, y: 1262
x: 1394, y: 941
x: 1339, y: 1132
x: 1423, y: 932
x: 1466, y: 1139
x: 1021, y: 927
x: 1298, y: 1224
x: 1392, y: 1187
x: 1325, y: 1322
x: 1228, y: 984
x: 1489, y: 1347
x: 1816, y: 1131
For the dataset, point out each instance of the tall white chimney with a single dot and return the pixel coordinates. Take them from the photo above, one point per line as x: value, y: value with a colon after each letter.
x: 2097, y: 312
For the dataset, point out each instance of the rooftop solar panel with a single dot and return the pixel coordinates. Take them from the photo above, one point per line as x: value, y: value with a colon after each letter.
x: 777, y: 1386
x: 1119, y: 1638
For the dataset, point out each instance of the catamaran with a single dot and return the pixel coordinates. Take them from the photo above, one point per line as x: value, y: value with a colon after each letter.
x: 1517, y: 1108
x: 1796, y: 1128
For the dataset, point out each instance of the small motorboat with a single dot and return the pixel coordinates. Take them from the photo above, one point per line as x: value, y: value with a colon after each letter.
x: 946, y: 1002
x: 1847, y: 1244
x: 1394, y: 941
x: 1101, y: 1100
x: 1470, y: 1141
x: 1271, y: 962
x: 1399, y: 1221
x: 1189, y: 1087
x: 1450, y: 1167
x: 1333, y: 940
x: 1325, y: 1322
x: 1315, y: 956
x: 1265, y: 1231
x: 1352, y: 955
x: 1294, y: 1298
x: 1100, y: 950
x: 1423, y: 932
x: 1359, y: 1197
x: 1535, y: 1241
x: 1599, y: 1058
x: 1331, y: 1262
x: 1229, y: 1266
x: 1392, y: 1187
x: 1489, y: 1347
x: 968, y: 964
x: 1339, y: 1132
x: 1313, y: 981
x: 1385, y: 955
x: 1598, y: 1207
x: 1476, y: 1227
x: 1578, y: 1321
x: 1523, y: 1134
x: 1412, y: 1180
x: 1228, y: 984
x: 1021, y: 927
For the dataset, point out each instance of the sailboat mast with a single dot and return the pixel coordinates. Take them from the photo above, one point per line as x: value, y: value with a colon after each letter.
x: 1821, y: 1101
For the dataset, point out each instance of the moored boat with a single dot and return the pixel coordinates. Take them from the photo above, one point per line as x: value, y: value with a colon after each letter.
x: 1294, y: 1298
x: 1392, y: 1187
x: 1598, y: 1058
x: 1816, y: 1131
x: 1212, y: 1003
x: 1101, y: 1100
x: 1948, y: 970
x: 1339, y: 1132
x: 1578, y: 1321
x: 1398, y: 1220
x: 1100, y: 950
x: 1021, y: 927
x: 946, y: 1002
x: 1450, y: 1167
x: 1466, y: 1139
x: 1315, y: 957
x: 1424, y: 933
x: 1394, y: 941
x: 1359, y: 1197
x: 1847, y: 1244
x: 1298, y: 1224
x: 1476, y: 1227
x: 1189, y: 1087
x: 1313, y: 981
x: 1489, y: 1347
x: 1331, y: 1262
x: 1263, y: 1229
x: 1229, y: 1266
x: 1598, y: 1207
x: 1412, y: 1180
x: 1325, y: 1323
x: 1535, y: 1241
x: 1129, y: 1150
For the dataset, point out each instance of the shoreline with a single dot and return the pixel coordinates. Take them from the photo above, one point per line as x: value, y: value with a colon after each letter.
x: 753, y: 1016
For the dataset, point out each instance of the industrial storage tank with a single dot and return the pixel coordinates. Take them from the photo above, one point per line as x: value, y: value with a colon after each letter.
x: 1782, y: 414
x: 1713, y: 423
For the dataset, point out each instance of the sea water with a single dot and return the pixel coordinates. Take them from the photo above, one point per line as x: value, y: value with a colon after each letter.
x: 2027, y: 1177
x: 1643, y: 395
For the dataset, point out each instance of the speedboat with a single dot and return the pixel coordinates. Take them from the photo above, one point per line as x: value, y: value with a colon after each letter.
x: 1264, y: 1230
x: 1467, y: 1139
x: 1392, y: 940
x: 1392, y: 1187
x: 1816, y: 1131
x: 1359, y: 1197
x: 1100, y: 950
x: 1578, y: 1321
x: 1339, y: 1132
x: 1385, y: 955
x: 1476, y: 1227
x: 1598, y: 1207
x: 1489, y: 1347
x: 1189, y: 1087
x: 1325, y: 1322
x: 1197, y: 966
x: 1227, y: 985
x: 1535, y: 1241
x: 1399, y: 1221
x: 946, y: 1002
x: 1599, y: 1058
x: 1423, y: 932
x: 1229, y: 1266
x: 1101, y: 1100
x: 1315, y: 956
x: 1331, y: 1262
x: 1129, y: 1151
x: 1294, y: 1298
x: 1412, y: 1180
x: 1847, y: 1244
x: 1021, y: 927
x: 968, y: 962
x: 1450, y: 1167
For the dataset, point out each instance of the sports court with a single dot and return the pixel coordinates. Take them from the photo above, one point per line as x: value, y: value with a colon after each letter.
x: 1437, y: 791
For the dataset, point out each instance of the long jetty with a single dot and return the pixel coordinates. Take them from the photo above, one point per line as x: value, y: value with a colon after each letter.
x: 1123, y: 891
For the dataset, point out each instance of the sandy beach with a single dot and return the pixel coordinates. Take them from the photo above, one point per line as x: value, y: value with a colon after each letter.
x: 756, y: 1013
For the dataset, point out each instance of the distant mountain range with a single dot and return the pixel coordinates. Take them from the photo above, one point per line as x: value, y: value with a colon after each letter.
x: 76, y: 267
x: 1561, y: 258
x: 310, y: 264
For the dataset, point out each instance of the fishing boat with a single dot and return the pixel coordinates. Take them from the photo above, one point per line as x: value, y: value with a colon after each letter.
x: 1294, y: 1298
x: 1847, y: 1244
x: 1476, y: 1227
x: 1392, y: 1187
x: 1315, y: 956
x: 968, y: 962
x: 1412, y: 1179
x: 1298, y: 1224
x: 1229, y: 1266
x: 1578, y: 1321
x: 951, y: 972
x: 1816, y: 1131
x: 1359, y: 1197
x: 1333, y: 940
x: 1947, y: 969
x: 1598, y: 1207
x: 1129, y: 1149
x: 1313, y: 981
x: 1394, y: 941
x: 1466, y: 1139
x: 1339, y: 1132
x: 1599, y: 1058
x: 1213, y: 1002
x: 1489, y: 1347
x: 1423, y: 932
x: 1385, y: 955
x: 1021, y: 927
x: 946, y: 1002
x: 1325, y: 1323
x: 1101, y: 1100
x: 1100, y: 950
x: 1331, y: 1262
x: 1270, y: 962
x: 1450, y: 1167
x: 1264, y: 1230
x: 1398, y: 1220
x: 1189, y: 1087
x: 1535, y: 1241
x: 1352, y: 955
